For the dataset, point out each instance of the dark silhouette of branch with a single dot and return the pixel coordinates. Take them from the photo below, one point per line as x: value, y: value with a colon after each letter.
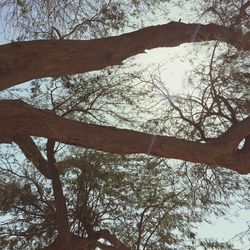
x: 64, y: 235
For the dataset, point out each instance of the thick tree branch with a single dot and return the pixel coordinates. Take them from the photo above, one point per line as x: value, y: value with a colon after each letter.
x: 236, y: 133
x: 45, y: 58
x: 32, y: 153
x: 19, y: 118
x: 64, y: 235
x: 106, y: 235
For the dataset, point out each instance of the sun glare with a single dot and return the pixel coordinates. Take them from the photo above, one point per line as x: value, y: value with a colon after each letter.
x: 171, y: 64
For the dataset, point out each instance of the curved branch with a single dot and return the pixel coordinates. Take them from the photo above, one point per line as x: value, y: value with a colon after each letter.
x: 19, y: 118
x: 45, y: 58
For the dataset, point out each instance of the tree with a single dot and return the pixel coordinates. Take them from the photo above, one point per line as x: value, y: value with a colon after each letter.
x: 61, y: 58
x: 222, y: 151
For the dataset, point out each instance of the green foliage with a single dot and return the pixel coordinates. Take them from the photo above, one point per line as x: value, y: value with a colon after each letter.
x: 148, y: 203
x: 75, y: 19
x: 139, y: 198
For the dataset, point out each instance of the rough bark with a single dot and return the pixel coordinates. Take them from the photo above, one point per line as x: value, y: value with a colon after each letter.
x: 64, y: 235
x: 45, y: 58
x: 18, y: 118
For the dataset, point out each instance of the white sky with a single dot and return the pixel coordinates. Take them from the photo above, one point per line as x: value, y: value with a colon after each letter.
x: 174, y: 71
x: 173, y: 74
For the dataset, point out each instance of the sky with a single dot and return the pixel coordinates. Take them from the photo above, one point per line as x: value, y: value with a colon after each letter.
x: 174, y: 71
x: 173, y: 74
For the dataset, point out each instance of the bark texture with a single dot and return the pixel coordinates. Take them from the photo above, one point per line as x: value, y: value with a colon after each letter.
x: 18, y: 118
x: 47, y: 58
x: 62, y: 221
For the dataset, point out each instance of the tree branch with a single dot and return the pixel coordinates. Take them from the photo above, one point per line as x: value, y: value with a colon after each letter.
x: 53, y: 58
x: 32, y: 153
x: 64, y: 235
x: 243, y: 12
x: 111, y: 238
x: 19, y: 118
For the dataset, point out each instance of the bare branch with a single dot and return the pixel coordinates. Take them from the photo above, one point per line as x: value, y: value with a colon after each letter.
x: 44, y: 58
x: 32, y: 153
x: 64, y: 235
x: 19, y: 118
